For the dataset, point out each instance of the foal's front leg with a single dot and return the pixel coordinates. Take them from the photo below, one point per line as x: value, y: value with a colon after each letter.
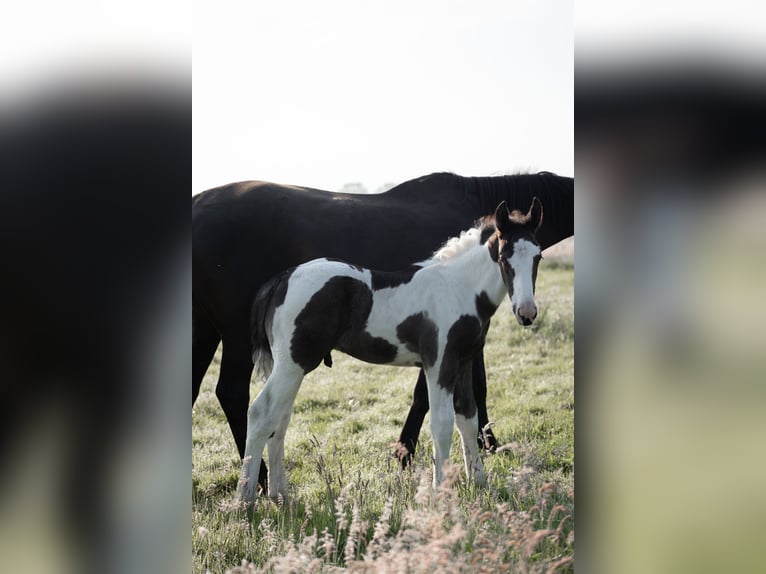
x: 467, y: 423
x: 442, y: 421
x: 408, y: 438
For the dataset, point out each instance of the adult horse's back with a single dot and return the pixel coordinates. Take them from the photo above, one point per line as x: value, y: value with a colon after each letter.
x: 245, y: 233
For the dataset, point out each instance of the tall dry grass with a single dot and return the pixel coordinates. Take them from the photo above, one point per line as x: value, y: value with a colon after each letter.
x: 440, y: 531
x: 352, y: 509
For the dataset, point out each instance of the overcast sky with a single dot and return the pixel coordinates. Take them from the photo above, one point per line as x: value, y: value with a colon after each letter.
x: 325, y: 93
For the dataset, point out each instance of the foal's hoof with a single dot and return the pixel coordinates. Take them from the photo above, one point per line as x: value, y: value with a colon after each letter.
x: 246, y: 498
x: 404, y: 455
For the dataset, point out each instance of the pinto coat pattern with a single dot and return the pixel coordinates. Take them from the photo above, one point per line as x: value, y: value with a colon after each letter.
x: 433, y: 315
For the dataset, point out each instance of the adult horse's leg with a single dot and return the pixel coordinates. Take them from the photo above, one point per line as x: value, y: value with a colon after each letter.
x: 233, y: 391
x: 408, y: 439
x: 487, y: 439
x: 205, y: 339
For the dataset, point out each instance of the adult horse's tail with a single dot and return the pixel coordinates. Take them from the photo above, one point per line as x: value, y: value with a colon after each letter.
x: 261, y: 313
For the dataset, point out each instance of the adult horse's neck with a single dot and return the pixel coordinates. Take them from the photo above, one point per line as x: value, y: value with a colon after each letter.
x: 555, y: 192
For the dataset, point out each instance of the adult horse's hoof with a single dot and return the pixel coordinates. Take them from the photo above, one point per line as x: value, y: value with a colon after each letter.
x: 263, y: 479
x: 404, y: 454
x: 487, y: 440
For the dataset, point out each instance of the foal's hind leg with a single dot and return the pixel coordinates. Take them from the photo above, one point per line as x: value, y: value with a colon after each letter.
x: 282, y: 403
x: 268, y: 415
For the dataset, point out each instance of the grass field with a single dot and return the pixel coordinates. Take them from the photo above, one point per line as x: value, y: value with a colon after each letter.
x: 351, y: 507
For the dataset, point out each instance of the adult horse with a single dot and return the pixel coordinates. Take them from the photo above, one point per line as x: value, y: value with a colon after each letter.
x: 245, y: 233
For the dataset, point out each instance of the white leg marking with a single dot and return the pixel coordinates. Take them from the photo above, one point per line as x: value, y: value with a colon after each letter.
x: 278, y: 485
x: 469, y: 430
x: 269, y: 411
x: 256, y: 440
x: 442, y: 421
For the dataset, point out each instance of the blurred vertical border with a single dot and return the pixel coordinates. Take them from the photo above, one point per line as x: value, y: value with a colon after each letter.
x: 670, y: 164
x: 95, y: 332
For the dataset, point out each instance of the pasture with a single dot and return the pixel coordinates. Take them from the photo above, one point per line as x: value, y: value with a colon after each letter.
x: 352, y: 507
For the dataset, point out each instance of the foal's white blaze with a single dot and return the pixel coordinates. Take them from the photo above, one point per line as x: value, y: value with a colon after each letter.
x: 523, y: 298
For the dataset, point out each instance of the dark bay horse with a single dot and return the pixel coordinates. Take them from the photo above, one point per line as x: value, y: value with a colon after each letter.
x: 433, y: 316
x: 245, y: 233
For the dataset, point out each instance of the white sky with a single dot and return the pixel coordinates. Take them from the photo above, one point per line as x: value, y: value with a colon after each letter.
x: 325, y: 93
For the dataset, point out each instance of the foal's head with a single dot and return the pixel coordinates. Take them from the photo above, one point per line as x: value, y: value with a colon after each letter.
x: 517, y: 252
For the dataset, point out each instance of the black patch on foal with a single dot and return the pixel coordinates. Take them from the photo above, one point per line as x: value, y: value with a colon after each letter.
x: 386, y: 279
x: 484, y: 307
x: 335, y: 318
x: 365, y: 347
x: 420, y: 335
x: 464, y: 339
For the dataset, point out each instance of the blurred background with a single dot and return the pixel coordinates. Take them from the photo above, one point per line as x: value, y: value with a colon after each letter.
x: 670, y: 213
x: 95, y: 171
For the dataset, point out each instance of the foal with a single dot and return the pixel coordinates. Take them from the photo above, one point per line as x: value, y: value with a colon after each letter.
x: 432, y: 315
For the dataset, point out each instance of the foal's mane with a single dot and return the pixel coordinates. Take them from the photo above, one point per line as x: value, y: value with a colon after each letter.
x: 456, y: 246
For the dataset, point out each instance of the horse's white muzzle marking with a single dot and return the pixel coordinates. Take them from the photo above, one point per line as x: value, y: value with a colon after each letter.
x: 523, y: 262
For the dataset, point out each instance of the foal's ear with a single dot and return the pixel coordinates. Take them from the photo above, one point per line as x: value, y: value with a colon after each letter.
x: 535, y: 214
x: 502, y: 216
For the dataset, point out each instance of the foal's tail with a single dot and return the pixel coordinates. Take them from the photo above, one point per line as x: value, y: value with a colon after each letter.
x: 263, y: 306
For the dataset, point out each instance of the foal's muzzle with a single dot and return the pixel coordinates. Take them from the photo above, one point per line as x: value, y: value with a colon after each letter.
x: 526, y: 313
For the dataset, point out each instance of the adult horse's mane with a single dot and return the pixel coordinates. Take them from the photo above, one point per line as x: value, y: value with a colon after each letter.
x: 468, y: 239
x: 501, y: 183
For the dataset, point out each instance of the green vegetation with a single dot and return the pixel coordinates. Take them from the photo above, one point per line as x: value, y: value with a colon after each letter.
x: 351, y: 507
